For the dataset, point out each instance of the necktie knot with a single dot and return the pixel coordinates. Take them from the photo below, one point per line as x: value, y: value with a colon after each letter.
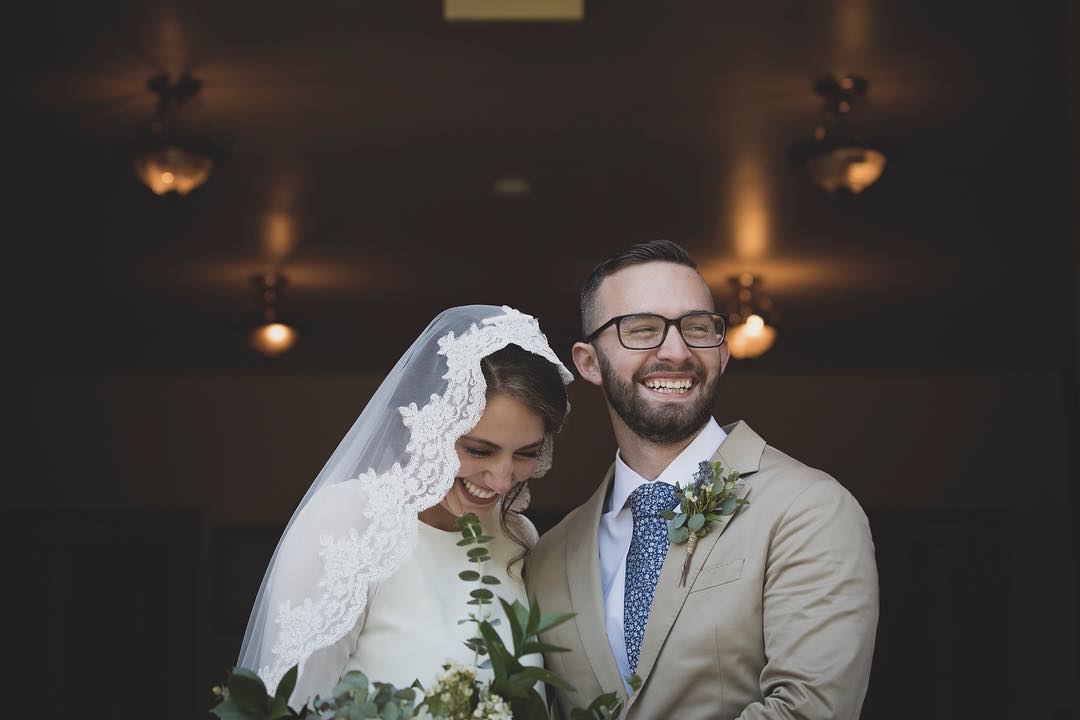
x: 651, y: 499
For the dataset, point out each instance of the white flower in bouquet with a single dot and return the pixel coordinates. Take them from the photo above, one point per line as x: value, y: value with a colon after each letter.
x: 492, y: 707
x: 450, y: 698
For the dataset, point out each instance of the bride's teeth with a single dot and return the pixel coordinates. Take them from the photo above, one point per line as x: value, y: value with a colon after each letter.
x: 477, y: 490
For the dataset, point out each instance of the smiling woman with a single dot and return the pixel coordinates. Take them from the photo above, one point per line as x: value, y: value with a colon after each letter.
x: 460, y: 425
x: 525, y: 407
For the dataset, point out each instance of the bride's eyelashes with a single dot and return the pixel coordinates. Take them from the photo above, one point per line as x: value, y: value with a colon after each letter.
x: 531, y: 455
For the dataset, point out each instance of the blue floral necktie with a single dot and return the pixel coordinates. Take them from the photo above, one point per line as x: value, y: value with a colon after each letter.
x: 648, y: 548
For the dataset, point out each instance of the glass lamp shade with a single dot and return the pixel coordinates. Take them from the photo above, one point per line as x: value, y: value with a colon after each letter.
x: 852, y: 168
x: 273, y: 338
x: 172, y: 169
x: 750, y: 339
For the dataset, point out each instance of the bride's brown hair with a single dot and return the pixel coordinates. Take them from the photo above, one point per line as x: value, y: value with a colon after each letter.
x: 535, y: 383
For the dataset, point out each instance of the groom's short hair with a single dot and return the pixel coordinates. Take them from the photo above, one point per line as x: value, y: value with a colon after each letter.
x: 652, y: 251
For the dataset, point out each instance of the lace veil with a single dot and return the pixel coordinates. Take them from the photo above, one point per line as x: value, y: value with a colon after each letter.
x: 358, y: 522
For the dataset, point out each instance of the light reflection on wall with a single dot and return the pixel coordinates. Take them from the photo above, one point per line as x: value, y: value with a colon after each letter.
x: 852, y: 29
x: 279, y: 236
x: 751, y: 212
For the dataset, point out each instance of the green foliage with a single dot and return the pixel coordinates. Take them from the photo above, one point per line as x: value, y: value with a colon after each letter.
x: 244, y: 696
x: 604, y: 707
x: 677, y: 535
x: 712, y: 497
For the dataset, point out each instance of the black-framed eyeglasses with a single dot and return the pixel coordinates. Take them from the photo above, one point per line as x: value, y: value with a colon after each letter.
x: 645, y: 331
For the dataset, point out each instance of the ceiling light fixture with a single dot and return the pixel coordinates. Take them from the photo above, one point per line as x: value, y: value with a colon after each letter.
x: 843, y: 153
x: 752, y: 318
x: 173, y: 154
x: 272, y: 336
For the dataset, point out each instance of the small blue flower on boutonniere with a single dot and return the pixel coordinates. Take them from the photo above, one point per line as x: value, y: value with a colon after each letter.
x: 709, y: 496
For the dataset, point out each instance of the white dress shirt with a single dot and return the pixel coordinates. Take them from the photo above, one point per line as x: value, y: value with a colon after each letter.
x: 617, y: 528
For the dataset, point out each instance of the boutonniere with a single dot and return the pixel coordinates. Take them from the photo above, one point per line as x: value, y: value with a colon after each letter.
x: 709, y: 496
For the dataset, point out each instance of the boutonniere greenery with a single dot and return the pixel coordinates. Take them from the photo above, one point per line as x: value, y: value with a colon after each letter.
x: 709, y: 496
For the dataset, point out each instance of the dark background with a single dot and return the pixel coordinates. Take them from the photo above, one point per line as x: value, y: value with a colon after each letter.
x: 927, y: 351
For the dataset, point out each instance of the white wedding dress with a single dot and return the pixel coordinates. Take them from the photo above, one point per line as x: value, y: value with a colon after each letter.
x: 410, y: 628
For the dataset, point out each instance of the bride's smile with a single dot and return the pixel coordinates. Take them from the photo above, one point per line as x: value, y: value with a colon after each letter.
x: 500, y: 452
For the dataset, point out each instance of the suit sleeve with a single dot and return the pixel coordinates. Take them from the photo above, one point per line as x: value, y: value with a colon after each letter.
x: 820, y: 609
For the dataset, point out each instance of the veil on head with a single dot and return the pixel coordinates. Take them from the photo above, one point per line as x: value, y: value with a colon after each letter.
x: 358, y: 522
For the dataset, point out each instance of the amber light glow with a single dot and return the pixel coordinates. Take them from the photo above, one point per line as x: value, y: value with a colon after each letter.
x: 172, y: 169
x: 751, y: 339
x: 750, y: 334
x: 273, y: 338
x: 854, y: 169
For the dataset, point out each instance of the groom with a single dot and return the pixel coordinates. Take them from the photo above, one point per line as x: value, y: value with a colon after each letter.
x: 779, y: 610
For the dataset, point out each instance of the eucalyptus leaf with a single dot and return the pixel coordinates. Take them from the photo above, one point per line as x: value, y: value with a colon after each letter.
x: 477, y: 552
x: 678, y: 535
x: 466, y: 541
x: 490, y: 580
x: 353, y: 684
x: 482, y: 593
x: 279, y: 709
x: 529, y: 707
x: 728, y: 506
x: 484, y: 538
x: 696, y: 521
x: 550, y: 620
x: 539, y: 647
x: 469, y: 575
x: 476, y: 645
x: 391, y: 711
x: 246, y: 689
x: 668, y: 514
x: 536, y: 674
x: 679, y: 520
x: 517, y: 629
x: 287, y: 684
x: 229, y: 710
x: 532, y: 627
x: 496, y: 650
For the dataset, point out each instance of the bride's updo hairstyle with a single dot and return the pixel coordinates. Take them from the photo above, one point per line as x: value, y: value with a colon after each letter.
x: 535, y: 383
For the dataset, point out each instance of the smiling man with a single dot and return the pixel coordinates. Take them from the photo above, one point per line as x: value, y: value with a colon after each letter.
x: 777, y: 615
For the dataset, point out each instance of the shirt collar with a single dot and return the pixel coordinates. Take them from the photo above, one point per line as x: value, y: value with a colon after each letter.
x: 681, y: 469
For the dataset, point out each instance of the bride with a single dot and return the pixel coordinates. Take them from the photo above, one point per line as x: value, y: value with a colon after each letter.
x: 365, y: 576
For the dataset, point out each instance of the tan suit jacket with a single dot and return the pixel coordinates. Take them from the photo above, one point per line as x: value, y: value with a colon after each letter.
x: 777, y: 618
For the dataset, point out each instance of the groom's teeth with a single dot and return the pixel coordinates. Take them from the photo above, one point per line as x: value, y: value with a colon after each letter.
x: 669, y: 385
x: 477, y: 490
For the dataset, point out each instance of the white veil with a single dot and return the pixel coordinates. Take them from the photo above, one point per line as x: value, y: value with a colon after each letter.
x: 358, y: 522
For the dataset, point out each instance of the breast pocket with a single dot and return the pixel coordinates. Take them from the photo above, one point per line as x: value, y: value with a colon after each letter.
x: 713, y: 575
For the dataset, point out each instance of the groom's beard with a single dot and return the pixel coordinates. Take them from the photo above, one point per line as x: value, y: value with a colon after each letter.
x: 665, y: 424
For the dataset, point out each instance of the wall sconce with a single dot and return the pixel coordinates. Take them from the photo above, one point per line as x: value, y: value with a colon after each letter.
x: 171, y: 155
x: 843, y: 153
x: 272, y: 336
x: 752, y: 319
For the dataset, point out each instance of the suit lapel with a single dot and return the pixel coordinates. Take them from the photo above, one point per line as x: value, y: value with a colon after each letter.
x: 741, y: 450
x: 583, y: 576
